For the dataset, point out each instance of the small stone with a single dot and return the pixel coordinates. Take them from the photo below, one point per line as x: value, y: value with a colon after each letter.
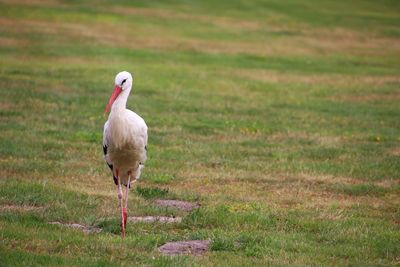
x: 151, y: 219
x: 193, y: 247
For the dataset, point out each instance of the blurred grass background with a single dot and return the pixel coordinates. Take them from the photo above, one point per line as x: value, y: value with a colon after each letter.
x: 279, y: 117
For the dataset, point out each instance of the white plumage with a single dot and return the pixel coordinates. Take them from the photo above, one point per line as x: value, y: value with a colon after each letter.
x: 125, y: 136
x: 124, y: 139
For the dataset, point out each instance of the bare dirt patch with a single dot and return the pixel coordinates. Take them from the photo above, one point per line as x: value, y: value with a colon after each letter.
x: 85, y: 229
x: 152, y: 219
x: 193, y: 247
x: 182, y: 205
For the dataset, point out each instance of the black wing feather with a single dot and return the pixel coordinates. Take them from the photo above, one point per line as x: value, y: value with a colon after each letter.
x: 110, y: 165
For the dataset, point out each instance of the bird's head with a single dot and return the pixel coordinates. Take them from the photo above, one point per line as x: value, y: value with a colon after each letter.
x: 123, y: 82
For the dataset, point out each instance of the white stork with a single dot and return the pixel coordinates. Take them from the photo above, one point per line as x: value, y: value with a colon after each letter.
x: 124, y: 141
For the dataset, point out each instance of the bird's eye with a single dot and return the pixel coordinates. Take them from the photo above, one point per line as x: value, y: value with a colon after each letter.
x: 123, y: 82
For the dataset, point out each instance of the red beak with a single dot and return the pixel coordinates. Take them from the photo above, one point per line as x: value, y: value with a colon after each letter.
x: 115, y: 94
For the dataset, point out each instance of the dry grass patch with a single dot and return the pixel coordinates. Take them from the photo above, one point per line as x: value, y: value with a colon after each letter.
x: 85, y: 229
x: 313, y: 79
x: 12, y: 42
x: 387, y: 183
x: 395, y: 151
x: 36, y: 104
x: 225, y: 138
x: 23, y: 26
x: 303, y: 197
x: 47, y: 3
x: 341, y: 40
x: 301, y: 40
x: 301, y: 44
x: 370, y: 97
x: 309, y: 191
x: 307, y: 40
x: 284, y: 191
x: 90, y: 183
x: 182, y: 205
x: 102, y: 33
x: 331, y: 180
x: 260, y: 48
x: 323, y: 140
x: 20, y: 208
x: 7, y: 106
x: 223, y: 22
x: 327, y: 179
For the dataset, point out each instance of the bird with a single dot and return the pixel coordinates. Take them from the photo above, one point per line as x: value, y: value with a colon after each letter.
x: 124, y: 142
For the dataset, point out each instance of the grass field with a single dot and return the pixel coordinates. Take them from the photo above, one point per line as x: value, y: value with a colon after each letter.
x: 280, y: 117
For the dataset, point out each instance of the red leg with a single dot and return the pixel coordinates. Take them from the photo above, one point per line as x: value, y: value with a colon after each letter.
x: 125, y: 209
x: 123, y: 223
x: 125, y: 216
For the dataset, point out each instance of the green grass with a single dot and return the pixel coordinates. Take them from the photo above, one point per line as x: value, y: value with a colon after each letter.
x: 279, y: 117
x: 151, y: 192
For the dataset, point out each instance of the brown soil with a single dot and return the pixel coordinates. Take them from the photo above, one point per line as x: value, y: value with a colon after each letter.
x: 193, y: 247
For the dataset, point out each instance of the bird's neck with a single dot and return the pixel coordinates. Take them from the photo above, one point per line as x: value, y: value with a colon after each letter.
x: 118, y: 123
x: 120, y: 103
